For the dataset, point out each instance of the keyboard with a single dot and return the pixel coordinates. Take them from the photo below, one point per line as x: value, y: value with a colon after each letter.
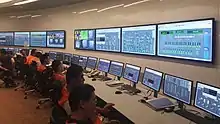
x: 114, y: 83
x: 129, y: 88
x: 160, y: 103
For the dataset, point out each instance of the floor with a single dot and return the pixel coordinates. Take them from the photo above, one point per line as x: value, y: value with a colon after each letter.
x: 14, y: 109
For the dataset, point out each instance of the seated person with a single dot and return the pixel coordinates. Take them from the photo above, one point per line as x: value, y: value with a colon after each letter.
x: 43, y: 60
x: 82, y: 101
x: 37, y: 58
x: 31, y: 57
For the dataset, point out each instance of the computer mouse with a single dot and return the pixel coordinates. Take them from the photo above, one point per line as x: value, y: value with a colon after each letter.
x: 93, y: 79
x: 169, y: 109
x: 143, y: 101
x: 118, y: 92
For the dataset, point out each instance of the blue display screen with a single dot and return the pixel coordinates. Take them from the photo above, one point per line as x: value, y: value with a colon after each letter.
x: 6, y: 38
x: 84, y: 39
x: 59, y: 56
x: 52, y: 55
x: 103, y: 65
x: 91, y: 62
x: 186, y: 40
x: 132, y: 73
x: 108, y: 39
x: 152, y: 79
x: 116, y: 68
x: 56, y: 39
x: 207, y: 98
x: 21, y: 38
x: 75, y: 59
x: 38, y: 39
x: 139, y: 40
x: 178, y: 88
x: 67, y: 57
x: 83, y: 61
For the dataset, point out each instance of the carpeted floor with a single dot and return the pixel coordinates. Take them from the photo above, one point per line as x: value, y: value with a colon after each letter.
x: 14, y: 109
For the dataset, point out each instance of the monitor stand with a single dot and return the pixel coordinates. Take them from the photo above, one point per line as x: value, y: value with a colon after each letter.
x: 114, y: 83
x: 194, y: 117
x: 104, y: 77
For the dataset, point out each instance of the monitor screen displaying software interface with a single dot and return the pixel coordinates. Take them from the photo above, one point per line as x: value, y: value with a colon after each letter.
x: 56, y: 39
x: 207, y: 98
x: 21, y: 38
x: 178, y: 88
x: 67, y: 57
x: 104, y: 65
x: 83, y: 61
x: 91, y: 63
x: 139, y: 40
x: 131, y: 73
x: 52, y: 55
x: 38, y: 39
x: 152, y: 79
x: 186, y: 40
x: 116, y: 68
x: 108, y: 39
x: 6, y: 38
x: 59, y: 56
x: 75, y: 59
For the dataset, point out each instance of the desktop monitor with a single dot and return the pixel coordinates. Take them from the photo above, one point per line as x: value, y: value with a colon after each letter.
x: 52, y: 55
x: 75, y: 59
x: 67, y: 57
x: 104, y: 65
x: 83, y: 61
x: 38, y: 39
x: 91, y: 63
x: 132, y: 72
x: 116, y: 68
x: 178, y: 88
x: 59, y: 56
x: 207, y: 98
x: 152, y: 79
x: 191, y: 40
x: 6, y: 38
x: 21, y: 38
x: 56, y: 39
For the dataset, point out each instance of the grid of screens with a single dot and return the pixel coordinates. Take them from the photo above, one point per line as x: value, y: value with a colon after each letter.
x: 91, y: 63
x: 103, y: 65
x: 139, y: 40
x: 21, y: 38
x: 56, y: 39
x: 6, y: 38
x: 178, y: 88
x: 186, y: 40
x: 84, y: 39
x: 108, y: 39
x: 152, y: 79
x: 116, y: 68
x: 38, y: 39
x: 207, y: 98
x: 131, y: 73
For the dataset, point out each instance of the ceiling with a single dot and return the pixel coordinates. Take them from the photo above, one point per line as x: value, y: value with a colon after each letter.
x: 41, y: 4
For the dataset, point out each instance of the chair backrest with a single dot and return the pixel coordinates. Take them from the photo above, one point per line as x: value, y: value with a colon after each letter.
x: 59, y: 115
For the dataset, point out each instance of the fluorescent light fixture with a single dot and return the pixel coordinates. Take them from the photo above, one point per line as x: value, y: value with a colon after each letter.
x: 34, y: 16
x: 24, y: 2
x: 5, y: 1
x: 111, y: 7
x: 24, y: 16
x: 12, y: 16
x: 135, y: 3
x: 74, y: 12
x: 89, y: 10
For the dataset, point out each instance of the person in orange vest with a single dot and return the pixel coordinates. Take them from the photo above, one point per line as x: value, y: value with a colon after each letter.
x: 43, y: 60
x: 31, y: 57
x: 82, y: 102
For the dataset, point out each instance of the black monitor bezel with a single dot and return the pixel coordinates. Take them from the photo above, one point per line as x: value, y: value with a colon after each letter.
x: 28, y: 41
x: 64, y: 38
x: 195, y: 96
x: 213, y: 39
x: 140, y: 26
x: 190, y: 101
x: 12, y: 35
x: 142, y: 82
x: 138, y: 74
x: 122, y: 67
x: 75, y: 40
x: 38, y: 46
x: 99, y: 62
x: 95, y: 62
x: 86, y: 59
x: 119, y: 39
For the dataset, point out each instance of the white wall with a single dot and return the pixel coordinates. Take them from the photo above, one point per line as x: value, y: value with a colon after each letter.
x: 149, y: 12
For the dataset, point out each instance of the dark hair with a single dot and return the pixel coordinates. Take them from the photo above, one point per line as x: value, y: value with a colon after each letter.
x: 82, y: 92
x: 56, y: 64
x: 38, y: 54
x: 33, y: 52
x: 43, y: 58
x: 73, y: 71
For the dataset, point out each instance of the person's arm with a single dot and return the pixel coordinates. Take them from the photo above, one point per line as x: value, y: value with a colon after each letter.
x: 106, y: 108
x: 3, y: 68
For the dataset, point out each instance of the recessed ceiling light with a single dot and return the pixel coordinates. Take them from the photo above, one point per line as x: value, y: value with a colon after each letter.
x: 24, y: 16
x: 5, y: 1
x: 24, y: 2
x: 34, y: 16
x: 74, y: 12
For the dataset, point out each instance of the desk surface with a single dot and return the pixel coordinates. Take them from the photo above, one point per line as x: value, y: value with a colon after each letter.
x: 132, y: 109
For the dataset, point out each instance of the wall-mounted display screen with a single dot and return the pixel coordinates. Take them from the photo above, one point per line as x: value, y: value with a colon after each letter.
x: 21, y: 38
x: 6, y: 38
x: 56, y: 39
x: 186, y: 40
x: 38, y: 39
x: 139, y: 40
x: 108, y: 39
x: 84, y: 39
